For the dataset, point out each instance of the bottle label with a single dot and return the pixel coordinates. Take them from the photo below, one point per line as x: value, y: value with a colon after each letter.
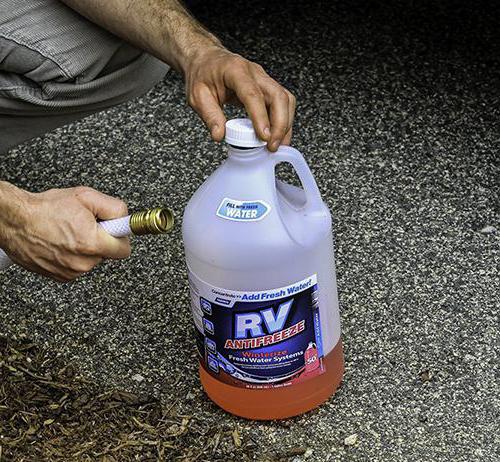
x: 263, y: 339
x: 232, y: 209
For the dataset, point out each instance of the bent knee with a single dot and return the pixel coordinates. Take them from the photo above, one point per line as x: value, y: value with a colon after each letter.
x: 54, y: 58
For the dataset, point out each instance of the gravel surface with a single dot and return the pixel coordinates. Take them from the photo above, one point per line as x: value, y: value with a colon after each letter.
x: 399, y: 117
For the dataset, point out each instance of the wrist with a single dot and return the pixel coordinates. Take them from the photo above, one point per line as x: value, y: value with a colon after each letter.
x: 200, y: 47
x: 13, y: 210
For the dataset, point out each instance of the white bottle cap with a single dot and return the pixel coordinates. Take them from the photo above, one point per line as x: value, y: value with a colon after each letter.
x: 240, y: 132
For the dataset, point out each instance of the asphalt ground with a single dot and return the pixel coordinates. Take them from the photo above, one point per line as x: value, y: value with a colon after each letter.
x: 398, y: 116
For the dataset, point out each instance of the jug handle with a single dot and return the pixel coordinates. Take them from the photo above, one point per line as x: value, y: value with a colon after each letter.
x: 314, y: 203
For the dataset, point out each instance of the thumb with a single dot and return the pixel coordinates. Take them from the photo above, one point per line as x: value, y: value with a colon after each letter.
x: 112, y: 247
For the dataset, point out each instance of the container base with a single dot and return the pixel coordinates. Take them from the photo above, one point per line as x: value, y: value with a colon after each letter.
x: 280, y: 403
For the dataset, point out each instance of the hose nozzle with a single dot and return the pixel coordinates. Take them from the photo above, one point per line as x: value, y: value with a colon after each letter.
x: 154, y: 221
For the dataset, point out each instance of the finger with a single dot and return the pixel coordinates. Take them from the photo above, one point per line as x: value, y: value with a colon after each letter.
x: 47, y: 269
x: 208, y: 108
x: 71, y: 269
x: 288, y: 138
x: 115, y: 248
x: 279, y: 112
x: 291, y: 115
x: 253, y: 99
x: 103, y: 207
x: 82, y: 265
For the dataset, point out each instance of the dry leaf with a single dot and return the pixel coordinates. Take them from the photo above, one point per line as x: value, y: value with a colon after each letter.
x: 236, y: 438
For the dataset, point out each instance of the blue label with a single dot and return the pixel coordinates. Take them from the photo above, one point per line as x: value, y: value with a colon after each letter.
x: 235, y: 210
x: 263, y: 339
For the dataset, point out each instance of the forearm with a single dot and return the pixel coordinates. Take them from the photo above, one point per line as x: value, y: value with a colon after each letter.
x: 214, y: 76
x: 162, y: 27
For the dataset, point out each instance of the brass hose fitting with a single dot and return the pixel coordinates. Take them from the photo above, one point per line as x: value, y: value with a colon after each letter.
x: 154, y: 221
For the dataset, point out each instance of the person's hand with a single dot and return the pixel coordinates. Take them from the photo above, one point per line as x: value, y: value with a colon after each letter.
x: 55, y: 232
x: 215, y: 77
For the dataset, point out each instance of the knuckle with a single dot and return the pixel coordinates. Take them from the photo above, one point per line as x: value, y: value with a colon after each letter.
x: 84, y: 266
x: 81, y: 190
x: 254, y: 92
x: 194, y: 96
x: 237, y: 60
x: 282, y: 96
x: 260, y: 68
x: 281, y: 128
x: 84, y: 246
x: 122, y: 208
x: 241, y: 67
x: 211, y: 119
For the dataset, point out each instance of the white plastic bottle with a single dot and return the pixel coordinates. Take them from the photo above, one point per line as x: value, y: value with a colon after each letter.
x: 262, y: 278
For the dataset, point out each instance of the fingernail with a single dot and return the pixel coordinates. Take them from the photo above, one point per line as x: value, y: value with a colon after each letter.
x: 275, y: 145
x: 267, y: 132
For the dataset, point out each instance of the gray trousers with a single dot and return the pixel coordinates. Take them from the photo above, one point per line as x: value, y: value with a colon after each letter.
x: 57, y: 67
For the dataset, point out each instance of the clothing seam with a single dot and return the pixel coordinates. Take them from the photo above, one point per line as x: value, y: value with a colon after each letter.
x: 17, y: 87
x: 28, y: 91
x: 42, y: 52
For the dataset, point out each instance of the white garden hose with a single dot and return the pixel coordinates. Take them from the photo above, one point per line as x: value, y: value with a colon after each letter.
x: 153, y: 221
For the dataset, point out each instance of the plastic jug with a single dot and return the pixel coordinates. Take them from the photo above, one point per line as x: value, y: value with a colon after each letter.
x: 262, y: 279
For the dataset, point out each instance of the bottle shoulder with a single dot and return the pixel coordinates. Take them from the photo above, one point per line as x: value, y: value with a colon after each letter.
x: 240, y: 215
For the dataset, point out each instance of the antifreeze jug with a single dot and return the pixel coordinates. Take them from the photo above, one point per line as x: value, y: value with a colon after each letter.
x: 262, y: 279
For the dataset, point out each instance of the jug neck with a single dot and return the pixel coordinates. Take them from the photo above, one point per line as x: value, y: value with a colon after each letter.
x: 247, y: 154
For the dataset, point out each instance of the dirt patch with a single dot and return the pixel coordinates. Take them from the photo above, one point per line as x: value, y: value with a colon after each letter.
x: 49, y: 412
